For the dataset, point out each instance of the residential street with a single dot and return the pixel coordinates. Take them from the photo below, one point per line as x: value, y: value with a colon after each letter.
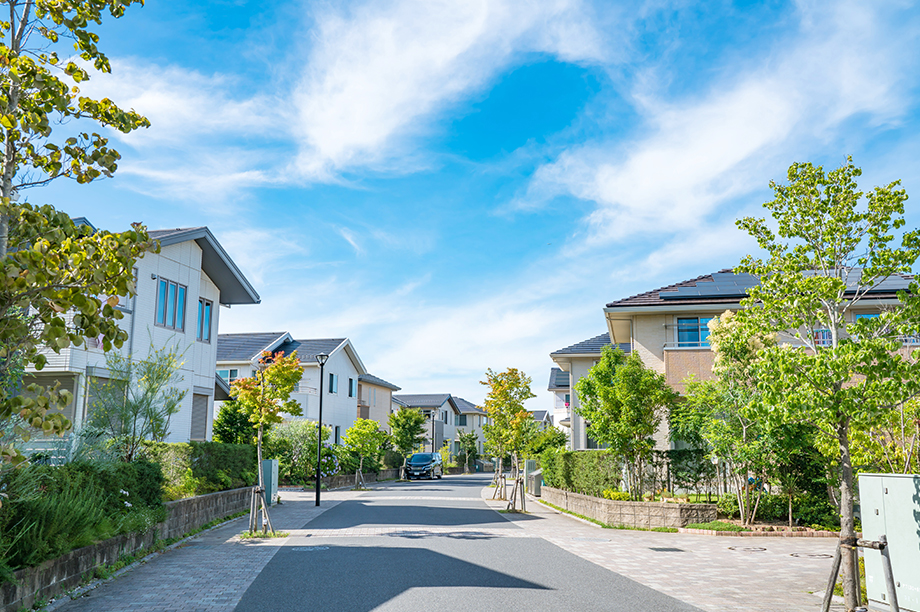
x: 438, y: 545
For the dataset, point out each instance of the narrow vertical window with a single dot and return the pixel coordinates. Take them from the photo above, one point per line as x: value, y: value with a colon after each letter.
x: 171, y: 306
x: 162, y: 286
x: 180, y: 307
x: 203, y: 333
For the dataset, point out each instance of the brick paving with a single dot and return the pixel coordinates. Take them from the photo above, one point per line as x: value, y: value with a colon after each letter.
x: 715, y: 573
x: 210, y: 573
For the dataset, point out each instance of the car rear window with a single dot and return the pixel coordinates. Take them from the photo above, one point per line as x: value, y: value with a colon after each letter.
x: 420, y: 458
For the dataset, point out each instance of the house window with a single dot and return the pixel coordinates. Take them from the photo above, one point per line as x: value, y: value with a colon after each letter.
x: 204, y: 320
x: 567, y: 399
x: 333, y: 384
x: 338, y: 431
x: 229, y: 375
x: 462, y: 422
x: 170, y: 305
x: 352, y: 387
x: 693, y: 332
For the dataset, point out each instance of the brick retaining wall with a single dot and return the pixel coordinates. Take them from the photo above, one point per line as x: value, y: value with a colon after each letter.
x: 55, y: 576
x: 645, y: 515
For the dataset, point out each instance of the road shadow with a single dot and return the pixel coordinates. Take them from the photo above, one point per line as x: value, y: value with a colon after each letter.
x: 367, y: 513
x: 359, y: 578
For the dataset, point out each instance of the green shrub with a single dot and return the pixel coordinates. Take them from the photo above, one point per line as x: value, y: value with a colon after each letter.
x: 728, y: 505
x: 616, y: 495
x: 588, y: 472
x: 215, y: 466
x: 717, y: 526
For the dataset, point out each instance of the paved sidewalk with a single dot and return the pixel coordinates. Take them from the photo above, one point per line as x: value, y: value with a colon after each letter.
x: 718, y: 574
x: 208, y: 573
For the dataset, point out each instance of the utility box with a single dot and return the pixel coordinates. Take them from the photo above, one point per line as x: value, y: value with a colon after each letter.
x: 270, y: 476
x: 529, y: 466
x: 890, y: 505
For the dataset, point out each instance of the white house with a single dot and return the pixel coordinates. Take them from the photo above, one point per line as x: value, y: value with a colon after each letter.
x: 238, y: 355
x: 179, y: 292
x: 375, y: 399
x: 562, y: 397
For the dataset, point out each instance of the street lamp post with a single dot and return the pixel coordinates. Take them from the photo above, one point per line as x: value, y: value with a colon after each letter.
x: 321, y: 360
x: 432, y: 430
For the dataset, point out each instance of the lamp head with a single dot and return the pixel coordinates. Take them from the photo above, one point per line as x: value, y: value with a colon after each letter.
x: 321, y: 359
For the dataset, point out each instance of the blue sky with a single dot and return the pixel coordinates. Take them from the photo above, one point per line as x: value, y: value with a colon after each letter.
x: 464, y: 185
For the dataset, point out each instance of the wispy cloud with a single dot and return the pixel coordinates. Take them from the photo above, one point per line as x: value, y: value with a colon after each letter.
x: 378, y: 71
x: 700, y: 153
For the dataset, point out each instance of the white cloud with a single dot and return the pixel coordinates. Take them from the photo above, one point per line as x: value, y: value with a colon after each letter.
x: 699, y: 154
x: 378, y: 71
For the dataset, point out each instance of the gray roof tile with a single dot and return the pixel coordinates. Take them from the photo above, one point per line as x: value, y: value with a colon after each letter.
x: 591, y: 346
x: 244, y: 347
x: 373, y: 380
x: 307, y: 350
x: 468, y: 407
x: 423, y: 400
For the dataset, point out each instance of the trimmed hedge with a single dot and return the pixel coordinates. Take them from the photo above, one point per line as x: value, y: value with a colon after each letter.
x: 589, y: 472
x: 807, y: 509
x: 196, y: 468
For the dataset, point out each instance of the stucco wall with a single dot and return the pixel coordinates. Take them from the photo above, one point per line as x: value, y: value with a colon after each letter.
x: 681, y: 363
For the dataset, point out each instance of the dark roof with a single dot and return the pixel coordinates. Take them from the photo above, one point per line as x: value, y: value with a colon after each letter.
x: 539, y: 415
x: 307, y: 350
x: 726, y: 287
x: 558, y: 379
x: 591, y: 346
x: 396, y: 400
x: 234, y: 287
x: 468, y: 407
x: 424, y: 400
x: 370, y: 378
x: 245, y: 347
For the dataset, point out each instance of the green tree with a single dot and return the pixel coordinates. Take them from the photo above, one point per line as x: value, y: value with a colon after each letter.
x: 549, y: 438
x: 262, y: 398
x: 138, y: 399
x: 232, y: 426
x: 51, y: 267
x: 833, y: 246
x: 623, y: 403
x: 469, y: 447
x: 365, y: 439
x: 407, y: 431
x: 293, y: 443
x: 511, y: 428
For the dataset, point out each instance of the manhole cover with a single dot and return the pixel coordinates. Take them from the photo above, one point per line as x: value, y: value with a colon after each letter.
x: 665, y: 549
x: 590, y: 540
x: 811, y: 556
x: 308, y: 548
x: 747, y: 548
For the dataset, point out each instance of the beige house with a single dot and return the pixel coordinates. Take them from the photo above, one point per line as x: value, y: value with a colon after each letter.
x: 375, y: 399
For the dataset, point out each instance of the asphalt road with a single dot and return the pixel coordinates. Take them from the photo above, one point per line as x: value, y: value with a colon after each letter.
x: 435, y: 545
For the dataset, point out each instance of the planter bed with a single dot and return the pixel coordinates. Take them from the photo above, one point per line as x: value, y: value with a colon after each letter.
x: 760, y: 533
x: 641, y: 515
x: 68, y: 571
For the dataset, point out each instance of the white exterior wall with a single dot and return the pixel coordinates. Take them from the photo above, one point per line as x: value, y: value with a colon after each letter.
x: 180, y: 263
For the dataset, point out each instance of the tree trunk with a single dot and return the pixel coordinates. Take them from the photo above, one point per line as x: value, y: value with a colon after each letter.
x: 790, y: 509
x: 849, y: 555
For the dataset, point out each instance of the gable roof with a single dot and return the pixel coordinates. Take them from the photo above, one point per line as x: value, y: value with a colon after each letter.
x: 307, y: 350
x: 558, y: 380
x: 468, y: 407
x: 246, y: 347
x: 428, y: 401
x: 727, y: 287
x: 373, y: 380
x: 591, y: 346
x: 215, y: 262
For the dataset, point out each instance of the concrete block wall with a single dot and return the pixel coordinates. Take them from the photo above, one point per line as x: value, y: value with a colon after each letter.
x: 644, y: 515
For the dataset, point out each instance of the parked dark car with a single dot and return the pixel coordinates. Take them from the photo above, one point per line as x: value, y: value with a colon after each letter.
x: 424, y: 465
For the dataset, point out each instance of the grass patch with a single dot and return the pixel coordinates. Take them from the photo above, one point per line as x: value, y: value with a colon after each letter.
x: 717, y: 526
x: 255, y: 535
x: 664, y: 529
x: 513, y: 512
